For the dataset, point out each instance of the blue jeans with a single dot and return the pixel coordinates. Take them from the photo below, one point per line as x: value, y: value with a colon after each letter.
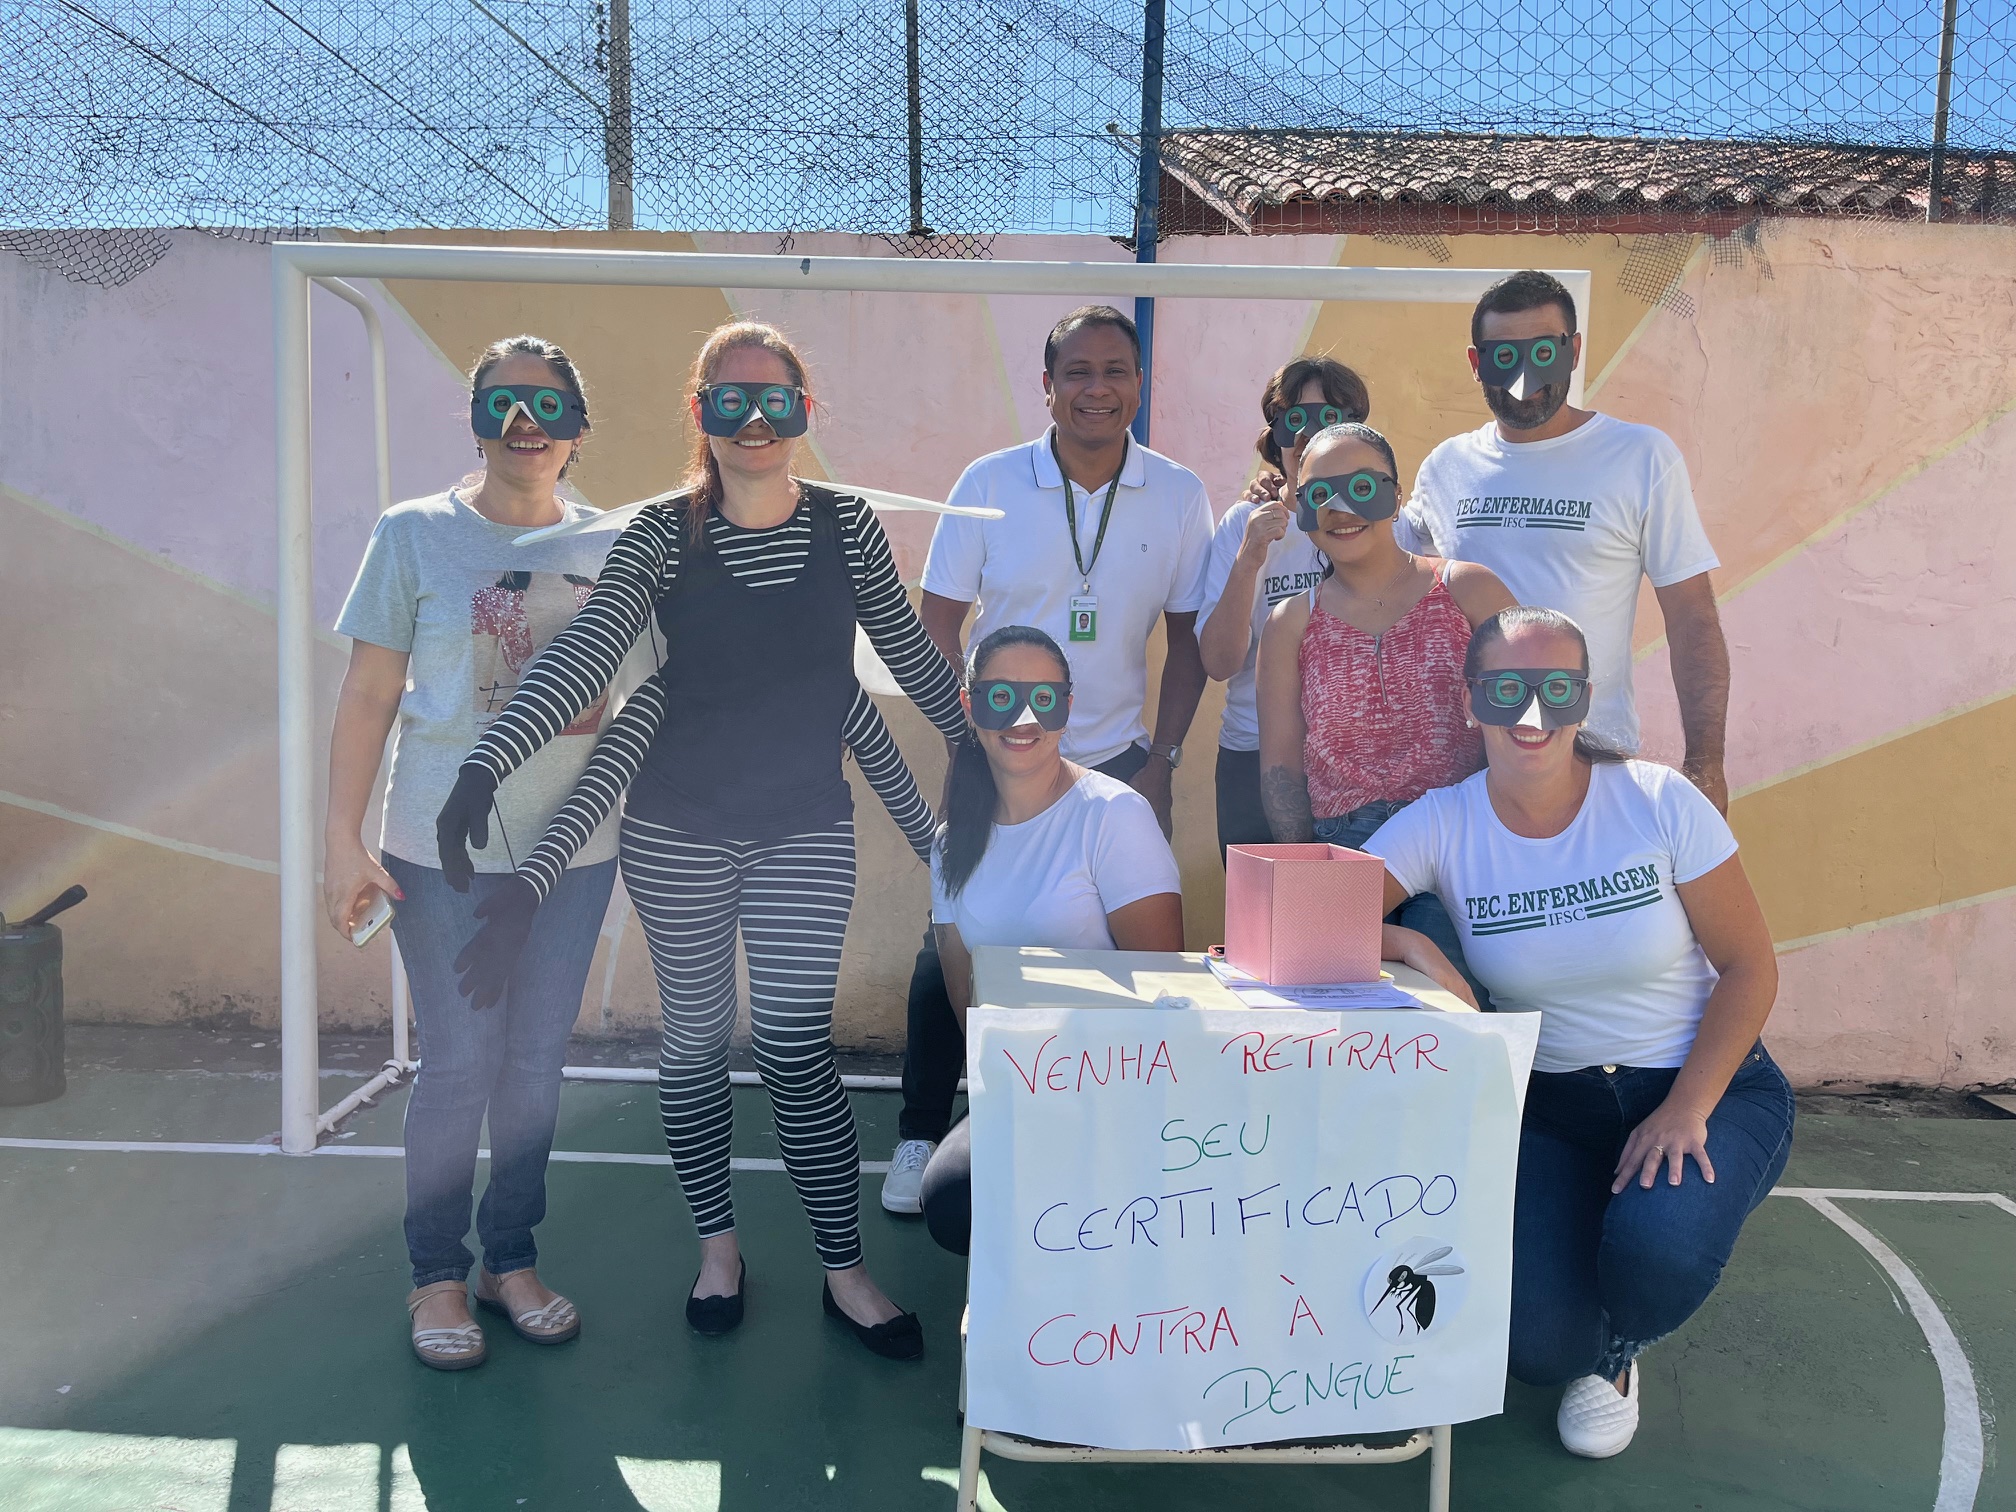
x: 1597, y: 1278
x: 504, y: 1060
x: 1423, y: 912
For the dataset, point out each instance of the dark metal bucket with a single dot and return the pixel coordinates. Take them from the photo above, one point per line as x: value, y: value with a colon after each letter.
x: 31, y: 1013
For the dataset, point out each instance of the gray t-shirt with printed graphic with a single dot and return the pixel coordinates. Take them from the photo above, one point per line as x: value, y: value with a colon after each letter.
x: 472, y: 610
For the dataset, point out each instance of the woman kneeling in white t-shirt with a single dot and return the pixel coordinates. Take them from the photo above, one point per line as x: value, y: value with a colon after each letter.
x: 1606, y: 895
x: 1035, y: 851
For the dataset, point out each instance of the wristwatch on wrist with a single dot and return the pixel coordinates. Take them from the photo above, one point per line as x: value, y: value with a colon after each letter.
x: 1173, y: 754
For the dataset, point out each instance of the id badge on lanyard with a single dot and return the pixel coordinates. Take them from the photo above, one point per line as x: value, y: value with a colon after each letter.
x: 1084, y: 607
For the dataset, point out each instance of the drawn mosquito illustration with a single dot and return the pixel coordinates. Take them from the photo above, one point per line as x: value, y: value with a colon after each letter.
x: 1412, y: 1292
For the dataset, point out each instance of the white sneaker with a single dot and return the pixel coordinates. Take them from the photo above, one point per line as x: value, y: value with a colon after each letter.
x: 903, y: 1187
x: 1594, y: 1421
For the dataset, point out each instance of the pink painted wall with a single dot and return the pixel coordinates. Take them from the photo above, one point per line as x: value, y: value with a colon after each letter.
x: 1843, y: 396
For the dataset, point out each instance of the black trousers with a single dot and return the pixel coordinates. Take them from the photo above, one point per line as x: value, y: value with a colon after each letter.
x: 934, y: 1050
x: 1241, y: 818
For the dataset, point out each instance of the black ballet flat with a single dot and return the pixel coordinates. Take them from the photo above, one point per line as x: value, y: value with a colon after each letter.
x: 901, y: 1338
x: 717, y: 1315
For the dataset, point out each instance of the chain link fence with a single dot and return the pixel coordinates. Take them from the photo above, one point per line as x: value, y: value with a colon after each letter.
x: 940, y: 123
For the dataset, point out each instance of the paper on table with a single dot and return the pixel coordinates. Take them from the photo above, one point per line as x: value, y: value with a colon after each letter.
x: 1330, y: 995
x: 1341, y: 995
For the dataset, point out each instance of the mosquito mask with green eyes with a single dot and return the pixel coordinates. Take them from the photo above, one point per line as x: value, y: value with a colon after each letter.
x: 1533, y: 698
x: 999, y: 704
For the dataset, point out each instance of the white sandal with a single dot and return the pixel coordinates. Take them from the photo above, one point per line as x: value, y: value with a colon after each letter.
x: 555, y: 1323
x: 457, y: 1348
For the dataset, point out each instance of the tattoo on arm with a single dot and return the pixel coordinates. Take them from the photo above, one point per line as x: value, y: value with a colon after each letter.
x: 1284, y: 794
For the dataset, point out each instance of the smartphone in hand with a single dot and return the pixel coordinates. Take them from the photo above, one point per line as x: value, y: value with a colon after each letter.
x: 376, y: 920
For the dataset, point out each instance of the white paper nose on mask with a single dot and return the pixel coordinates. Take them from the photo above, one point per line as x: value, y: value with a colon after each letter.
x: 1531, y: 720
x: 1028, y: 718
x: 1517, y: 388
x: 518, y: 408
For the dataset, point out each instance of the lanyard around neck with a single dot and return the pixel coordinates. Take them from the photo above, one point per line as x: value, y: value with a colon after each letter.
x: 1071, y: 511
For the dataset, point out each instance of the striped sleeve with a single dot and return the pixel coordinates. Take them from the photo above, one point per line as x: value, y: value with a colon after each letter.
x: 579, y: 663
x: 888, y: 773
x: 616, y: 760
x: 883, y: 608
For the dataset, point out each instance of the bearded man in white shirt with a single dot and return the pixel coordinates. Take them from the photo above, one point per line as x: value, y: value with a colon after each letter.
x: 1100, y: 540
x: 1571, y: 508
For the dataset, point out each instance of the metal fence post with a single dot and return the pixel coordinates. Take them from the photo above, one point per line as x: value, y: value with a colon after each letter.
x: 1148, y: 195
x: 300, y: 1054
x: 913, y: 68
x: 1934, y: 210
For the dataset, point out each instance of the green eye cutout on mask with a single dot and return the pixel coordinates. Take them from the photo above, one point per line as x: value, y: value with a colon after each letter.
x: 1299, y: 421
x: 1523, y: 368
x: 1539, y: 698
x: 556, y: 411
x: 726, y: 407
x: 1368, y: 495
x: 999, y: 704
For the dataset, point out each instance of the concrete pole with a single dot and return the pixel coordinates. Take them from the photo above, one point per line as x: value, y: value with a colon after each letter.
x: 1936, y: 190
x: 618, y: 145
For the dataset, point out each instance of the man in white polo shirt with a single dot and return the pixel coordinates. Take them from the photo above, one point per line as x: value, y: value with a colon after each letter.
x: 1100, y: 540
x: 1571, y: 508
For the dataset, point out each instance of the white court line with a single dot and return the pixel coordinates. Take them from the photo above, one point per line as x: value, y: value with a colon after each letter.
x: 1866, y: 1194
x: 1961, y: 1448
x: 370, y: 1152
x: 871, y: 1167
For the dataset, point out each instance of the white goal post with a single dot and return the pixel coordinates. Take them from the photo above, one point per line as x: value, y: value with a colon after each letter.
x: 295, y: 264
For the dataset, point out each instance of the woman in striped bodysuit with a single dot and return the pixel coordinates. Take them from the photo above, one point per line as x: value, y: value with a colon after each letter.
x: 740, y: 819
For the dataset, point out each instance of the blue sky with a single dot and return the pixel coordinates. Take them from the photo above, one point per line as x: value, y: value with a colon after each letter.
x: 791, y: 115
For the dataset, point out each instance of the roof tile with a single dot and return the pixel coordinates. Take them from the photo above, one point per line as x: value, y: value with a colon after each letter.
x: 1240, y: 173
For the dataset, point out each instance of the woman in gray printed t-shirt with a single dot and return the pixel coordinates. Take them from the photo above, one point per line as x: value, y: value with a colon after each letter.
x: 446, y: 614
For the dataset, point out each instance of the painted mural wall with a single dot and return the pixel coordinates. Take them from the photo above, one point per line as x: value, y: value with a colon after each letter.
x: 1842, y: 391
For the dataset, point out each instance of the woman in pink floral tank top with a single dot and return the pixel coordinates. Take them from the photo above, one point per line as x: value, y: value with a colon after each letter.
x: 1361, y: 679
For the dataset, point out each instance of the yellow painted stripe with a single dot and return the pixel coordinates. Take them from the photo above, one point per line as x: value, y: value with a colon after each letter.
x: 1806, y: 942
x: 1841, y: 521
x: 1916, y: 823
x: 1790, y: 773
x: 153, y: 558
x: 128, y: 832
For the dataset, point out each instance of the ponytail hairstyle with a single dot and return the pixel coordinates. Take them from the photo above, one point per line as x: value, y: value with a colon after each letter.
x: 548, y: 352
x: 1521, y: 617
x: 970, y: 795
x: 1340, y: 385
x: 702, y: 484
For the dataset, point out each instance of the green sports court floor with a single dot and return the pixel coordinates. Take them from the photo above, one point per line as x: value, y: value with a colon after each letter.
x: 211, y: 1330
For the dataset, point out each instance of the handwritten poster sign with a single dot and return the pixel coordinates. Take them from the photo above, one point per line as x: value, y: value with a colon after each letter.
x: 1199, y: 1228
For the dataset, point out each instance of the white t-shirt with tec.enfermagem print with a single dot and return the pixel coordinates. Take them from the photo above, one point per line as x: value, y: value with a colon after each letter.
x: 1586, y: 928
x: 1571, y: 523
x: 1021, y: 569
x: 1293, y: 565
x: 1053, y: 879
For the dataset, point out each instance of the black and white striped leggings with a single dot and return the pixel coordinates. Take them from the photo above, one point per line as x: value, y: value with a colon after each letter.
x: 790, y: 898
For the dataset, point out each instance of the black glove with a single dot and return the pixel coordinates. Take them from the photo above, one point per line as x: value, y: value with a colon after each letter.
x: 463, y: 819
x: 487, y: 961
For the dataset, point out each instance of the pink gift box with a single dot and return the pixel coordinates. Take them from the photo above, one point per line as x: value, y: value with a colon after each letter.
x: 1297, y: 914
